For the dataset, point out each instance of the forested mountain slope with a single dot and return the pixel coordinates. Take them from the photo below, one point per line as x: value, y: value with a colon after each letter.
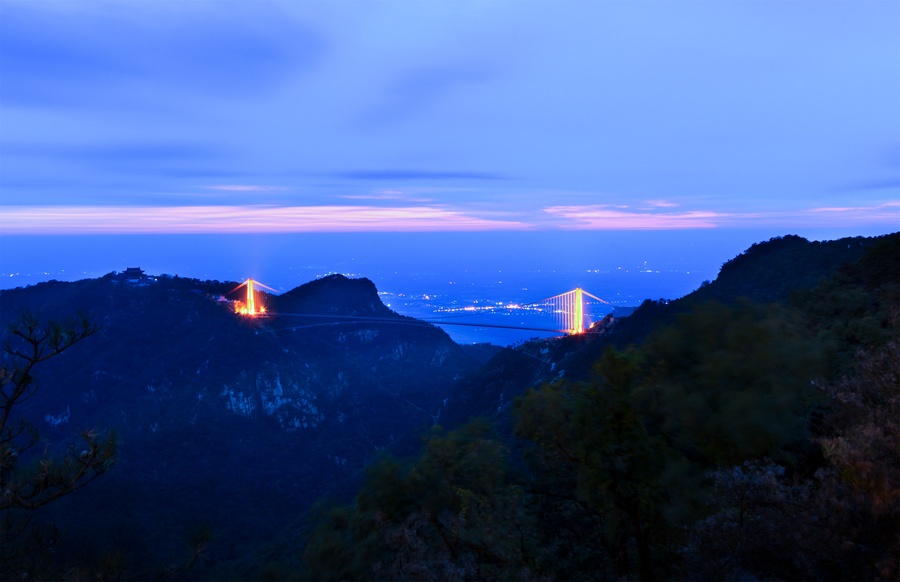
x: 726, y: 439
x: 747, y: 430
x: 233, y: 422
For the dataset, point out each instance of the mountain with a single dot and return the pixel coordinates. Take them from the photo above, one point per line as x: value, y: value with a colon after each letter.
x: 747, y: 431
x: 235, y: 422
x: 239, y: 425
x: 787, y: 270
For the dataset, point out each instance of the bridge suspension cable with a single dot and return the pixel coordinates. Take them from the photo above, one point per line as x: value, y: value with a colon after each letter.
x: 568, y: 309
x: 334, y: 319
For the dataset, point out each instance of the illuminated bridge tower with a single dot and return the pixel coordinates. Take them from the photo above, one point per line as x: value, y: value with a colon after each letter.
x: 251, y: 298
x: 252, y: 307
x: 569, y: 309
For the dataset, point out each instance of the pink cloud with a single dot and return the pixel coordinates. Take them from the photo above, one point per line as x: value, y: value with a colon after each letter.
x: 661, y: 204
x: 604, y: 217
x: 410, y: 218
x: 245, y: 188
x: 387, y: 195
x: 877, y: 209
x: 593, y: 217
x: 239, y: 219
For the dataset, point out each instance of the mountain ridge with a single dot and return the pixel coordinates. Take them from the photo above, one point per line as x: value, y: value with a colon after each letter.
x: 173, y: 368
x: 264, y: 416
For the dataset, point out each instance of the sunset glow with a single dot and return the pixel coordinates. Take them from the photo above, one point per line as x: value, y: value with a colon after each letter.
x: 240, y: 219
x: 599, y: 217
x: 19, y: 220
x: 325, y: 131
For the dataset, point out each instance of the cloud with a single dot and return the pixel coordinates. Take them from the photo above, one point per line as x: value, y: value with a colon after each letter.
x: 387, y: 196
x: 883, y: 184
x: 661, y: 204
x: 241, y: 219
x: 413, y: 217
x: 601, y: 217
x: 245, y: 188
x: 156, y: 158
x: 151, y: 151
x: 420, y: 87
x: 383, y: 195
x: 100, y: 54
x: 416, y: 175
x: 850, y: 208
x: 876, y: 211
x: 97, y: 163
x: 607, y: 217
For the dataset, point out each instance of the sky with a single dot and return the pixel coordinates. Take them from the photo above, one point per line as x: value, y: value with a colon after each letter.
x: 220, y: 138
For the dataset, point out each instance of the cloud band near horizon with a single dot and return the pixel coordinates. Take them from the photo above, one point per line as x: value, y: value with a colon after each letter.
x: 240, y: 219
x: 225, y: 219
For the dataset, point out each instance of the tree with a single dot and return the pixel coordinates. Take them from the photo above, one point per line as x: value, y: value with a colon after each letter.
x: 599, y: 473
x: 453, y: 513
x: 728, y: 384
x: 862, y: 451
x: 29, y: 485
x: 839, y: 519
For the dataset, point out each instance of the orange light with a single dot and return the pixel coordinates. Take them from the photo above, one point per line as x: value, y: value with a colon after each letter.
x: 253, y: 306
x: 251, y: 298
x: 579, y: 311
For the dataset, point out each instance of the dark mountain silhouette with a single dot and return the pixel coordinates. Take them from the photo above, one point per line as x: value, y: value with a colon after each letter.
x: 335, y: 294
x: 782, y: 270
x: 234, y: 422
x: 241, y: 424
x: 746, y: 431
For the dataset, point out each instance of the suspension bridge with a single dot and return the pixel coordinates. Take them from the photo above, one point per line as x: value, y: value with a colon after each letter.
x: 569, y: 308
x: 253, y: 306
x: 570, y: 311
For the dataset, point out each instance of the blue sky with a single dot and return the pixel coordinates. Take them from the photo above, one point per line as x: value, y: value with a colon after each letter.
x: 164, y: 118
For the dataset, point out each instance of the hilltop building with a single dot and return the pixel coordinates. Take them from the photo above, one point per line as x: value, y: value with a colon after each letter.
x: 133, y: 276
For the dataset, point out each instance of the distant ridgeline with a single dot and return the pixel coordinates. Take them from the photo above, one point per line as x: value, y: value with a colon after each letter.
x: 788, y: 271
x: 237, y: 426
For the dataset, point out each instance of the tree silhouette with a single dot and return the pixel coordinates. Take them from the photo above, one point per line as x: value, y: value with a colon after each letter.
x: 29, y: 485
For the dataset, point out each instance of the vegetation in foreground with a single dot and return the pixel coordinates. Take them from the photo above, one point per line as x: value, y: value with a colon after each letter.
x: 731, y: 439
x: 743, y: 441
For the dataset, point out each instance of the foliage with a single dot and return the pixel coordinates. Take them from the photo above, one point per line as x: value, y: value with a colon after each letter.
x: 769, y: 271
x: 452, y: 514
x: 598, y: 474
x: 859, y: 306
x: 49, y: 478
x: 759, y: 526
x: 841, y: 521
x: 158, y: 371
x: 690, y: 455
x: 727, y: 384
x: 704, y: 446
x: 862, y: 449
x: 29, y: 481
